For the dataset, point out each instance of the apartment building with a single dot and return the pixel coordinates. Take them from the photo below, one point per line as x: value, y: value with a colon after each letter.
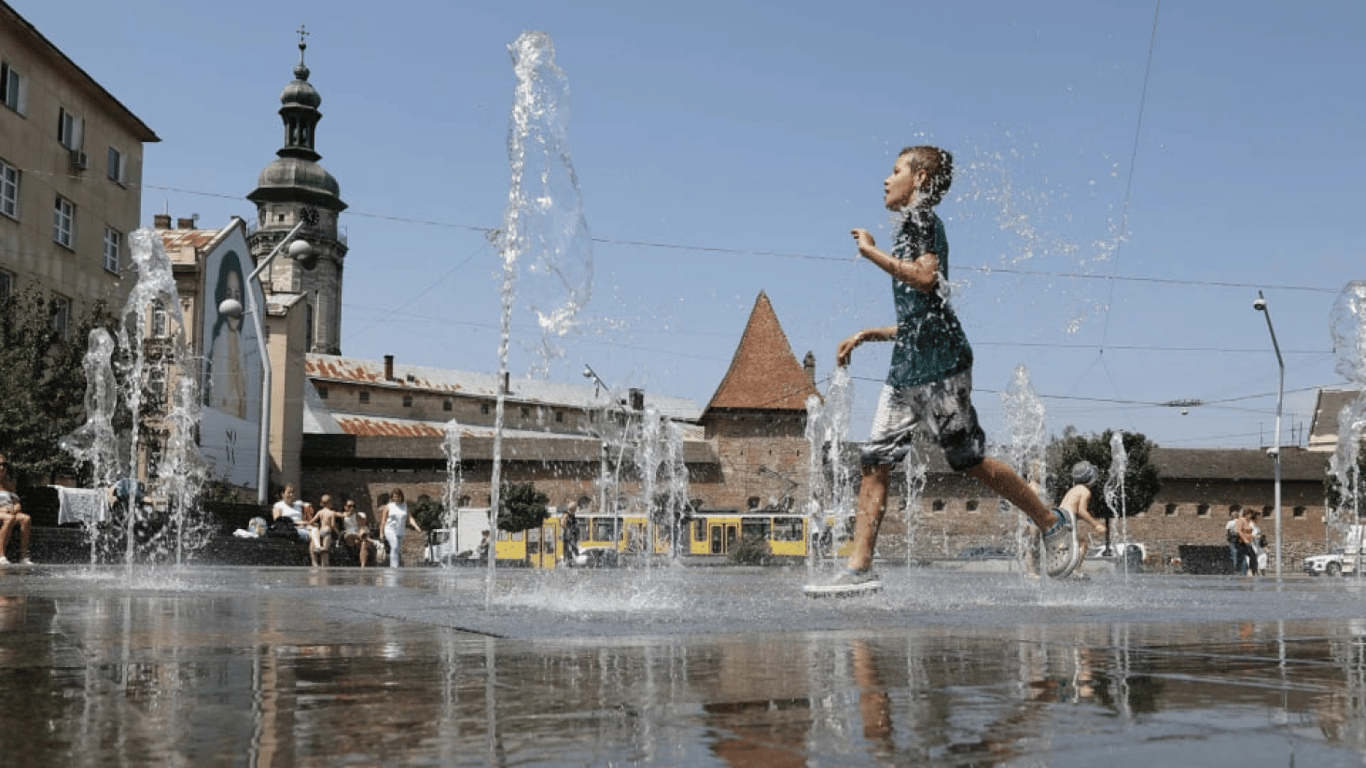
x: 70, y: 175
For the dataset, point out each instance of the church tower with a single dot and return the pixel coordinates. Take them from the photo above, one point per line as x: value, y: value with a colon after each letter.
x: 292, y: 184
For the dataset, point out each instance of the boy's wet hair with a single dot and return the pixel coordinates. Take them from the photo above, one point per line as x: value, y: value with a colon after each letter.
x: 938, y: 163
x: 1083, y: 473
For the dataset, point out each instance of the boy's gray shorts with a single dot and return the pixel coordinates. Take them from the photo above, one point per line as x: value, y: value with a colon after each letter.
x: 942, y: 408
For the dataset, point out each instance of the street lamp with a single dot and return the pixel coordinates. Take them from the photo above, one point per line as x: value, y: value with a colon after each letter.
x: 302, y: 252
x: 1275, y: 452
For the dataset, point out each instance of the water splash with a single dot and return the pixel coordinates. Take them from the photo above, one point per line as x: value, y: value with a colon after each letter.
x: 147, y: 362
x: 543, y: 226
x: 830, y: 504
x: 1025, y: 453
x: 450, y: 494
x: 1114, y: 492
x: 1348, y: 326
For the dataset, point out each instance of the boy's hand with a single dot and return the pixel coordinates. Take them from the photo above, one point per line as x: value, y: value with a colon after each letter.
x: 845, y: 351
x: 864, y: 239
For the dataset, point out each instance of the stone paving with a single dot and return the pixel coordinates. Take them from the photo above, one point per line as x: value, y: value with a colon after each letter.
x: 115, y: 666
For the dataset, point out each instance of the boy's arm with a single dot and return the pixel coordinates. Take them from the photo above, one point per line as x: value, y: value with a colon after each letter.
x: 921, y: 273
x: 845, y: 351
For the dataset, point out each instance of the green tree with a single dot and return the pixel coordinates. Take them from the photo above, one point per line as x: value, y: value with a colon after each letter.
x: 521, y: 507
x: 427, y: 512
x: 1142, y: 482
x: 42, y: 381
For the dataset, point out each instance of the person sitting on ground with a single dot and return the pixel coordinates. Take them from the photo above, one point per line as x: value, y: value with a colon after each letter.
x: 322, y: 532
x: 356, y: 533
x: 289, y: 507
x: 12, y: 514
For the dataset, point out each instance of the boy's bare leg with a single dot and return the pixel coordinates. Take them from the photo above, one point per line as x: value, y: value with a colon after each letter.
x: 1003, y: 480
x: 872, y: 505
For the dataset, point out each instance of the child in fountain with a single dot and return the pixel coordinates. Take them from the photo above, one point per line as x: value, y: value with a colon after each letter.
x: 1077, y: 500
x: 929, y: 385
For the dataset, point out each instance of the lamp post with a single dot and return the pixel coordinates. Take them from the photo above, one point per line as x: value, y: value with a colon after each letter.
x: 1260, y: 306
x: 300, y: 251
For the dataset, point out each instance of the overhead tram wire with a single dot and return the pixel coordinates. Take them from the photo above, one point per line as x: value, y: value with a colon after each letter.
x: 1128, y: 196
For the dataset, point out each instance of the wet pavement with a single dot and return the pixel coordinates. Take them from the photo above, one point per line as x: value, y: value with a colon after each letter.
x: 111, y: 666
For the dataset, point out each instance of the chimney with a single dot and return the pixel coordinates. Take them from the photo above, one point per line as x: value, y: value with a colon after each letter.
x: 184, y: 223
x: 388, y: 367
x: 809, y: 365
x: 162, y: 221
x: 507, y: 389
x: 637, y: 399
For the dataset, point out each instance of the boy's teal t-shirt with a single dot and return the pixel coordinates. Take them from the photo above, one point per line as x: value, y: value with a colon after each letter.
x: 930, y: 343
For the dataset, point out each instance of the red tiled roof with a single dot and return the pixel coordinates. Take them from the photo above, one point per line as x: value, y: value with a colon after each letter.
x: 764, y: 375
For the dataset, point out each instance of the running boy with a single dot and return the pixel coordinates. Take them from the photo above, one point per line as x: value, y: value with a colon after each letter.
x: 929, y: 386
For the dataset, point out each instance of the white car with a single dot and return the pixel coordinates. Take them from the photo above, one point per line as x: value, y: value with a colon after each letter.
x: 1334, y: 564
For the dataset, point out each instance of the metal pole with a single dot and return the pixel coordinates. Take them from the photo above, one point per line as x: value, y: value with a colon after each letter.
x: 1260, y: 304
x: 263, y: 458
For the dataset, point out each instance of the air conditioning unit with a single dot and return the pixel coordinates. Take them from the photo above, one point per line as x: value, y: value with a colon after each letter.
x: 79, y: 160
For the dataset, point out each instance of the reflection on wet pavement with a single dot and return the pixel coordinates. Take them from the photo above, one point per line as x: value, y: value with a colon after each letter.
x: 688, y: 667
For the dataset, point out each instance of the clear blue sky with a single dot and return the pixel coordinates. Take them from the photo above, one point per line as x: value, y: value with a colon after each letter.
x: 727, y: 148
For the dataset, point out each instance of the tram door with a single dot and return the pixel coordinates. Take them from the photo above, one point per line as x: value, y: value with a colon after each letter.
x: 542, y: 543
x: 723, y: 536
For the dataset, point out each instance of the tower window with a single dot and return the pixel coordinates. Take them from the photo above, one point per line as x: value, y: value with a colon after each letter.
x: 365, y: 397
x: 407, y: 401
x: 446, y: 405
x: 322, y: 393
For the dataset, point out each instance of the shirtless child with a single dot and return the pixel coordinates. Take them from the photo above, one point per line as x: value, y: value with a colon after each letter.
x: 1077, y: 500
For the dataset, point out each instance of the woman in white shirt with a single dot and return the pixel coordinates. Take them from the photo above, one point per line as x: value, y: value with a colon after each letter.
x: 393, y: 524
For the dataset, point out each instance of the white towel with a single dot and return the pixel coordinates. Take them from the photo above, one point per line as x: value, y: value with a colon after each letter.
x: 80, y: 505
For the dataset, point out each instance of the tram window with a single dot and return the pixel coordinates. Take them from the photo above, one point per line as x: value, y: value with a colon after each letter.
x: 787, y: 529
x: 603, y: 529
x: 699, y: 530
x: 755, y: 529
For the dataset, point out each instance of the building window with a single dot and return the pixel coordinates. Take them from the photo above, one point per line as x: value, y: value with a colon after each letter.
x: 64, y: 222
x: 1297, y: 512
x: 1202, y: 510
x: 69, y: 129
x: 971, y: 505
x: 446, y: 405
x: 160, y: 325
x: 365, y: 397
x: 484, y: 408
x: 407, y: 401
x: 322, y: 393
x: 117, y: 170
x: 113, y: 240
x: 526, y: 412
x: 6, y: 285
x: 937, y: 505
x: 13, y: 88
x: 752, y: 503
x: 559, y: 417
x: 61, y: 315
x: 1171, y: 510
x: 9, y: 190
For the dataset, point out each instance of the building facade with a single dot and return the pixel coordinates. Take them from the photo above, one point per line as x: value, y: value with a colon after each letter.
x: 70, y: 176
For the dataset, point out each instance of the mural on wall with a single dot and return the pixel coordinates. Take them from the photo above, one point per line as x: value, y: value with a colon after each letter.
x: 232, y: 374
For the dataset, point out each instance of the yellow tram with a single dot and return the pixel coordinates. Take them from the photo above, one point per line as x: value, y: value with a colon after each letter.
x: 704, y: 535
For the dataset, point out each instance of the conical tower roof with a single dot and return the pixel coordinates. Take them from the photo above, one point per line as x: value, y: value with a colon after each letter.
x: 764, y: 375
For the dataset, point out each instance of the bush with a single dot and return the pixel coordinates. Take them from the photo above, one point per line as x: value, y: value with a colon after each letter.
x: 752, y: 550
